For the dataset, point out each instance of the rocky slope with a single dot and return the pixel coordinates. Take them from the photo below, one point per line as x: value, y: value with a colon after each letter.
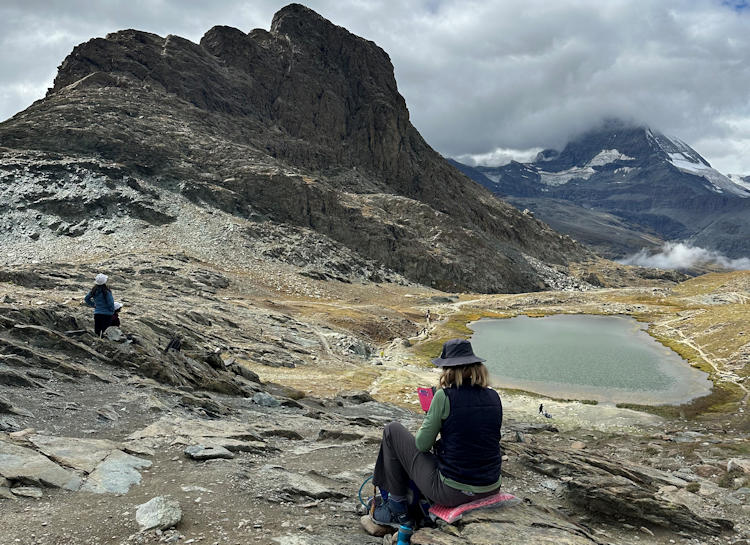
x: 620, y: 188
x: 301, y: 125
x: 93, y: 428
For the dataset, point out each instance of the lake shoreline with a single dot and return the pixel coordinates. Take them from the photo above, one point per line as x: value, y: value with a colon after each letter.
x: 578, y: 348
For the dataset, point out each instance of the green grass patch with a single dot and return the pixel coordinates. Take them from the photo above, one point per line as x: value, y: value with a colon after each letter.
x: 723, y: 399
x: 453, y: 327
x: 535, y: 395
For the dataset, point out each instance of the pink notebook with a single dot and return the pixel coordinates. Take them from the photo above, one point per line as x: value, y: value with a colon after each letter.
x: 451, y: 514
x: 425, y: 398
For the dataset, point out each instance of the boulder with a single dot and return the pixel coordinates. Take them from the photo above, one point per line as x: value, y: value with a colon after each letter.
x: 5, y: 405
x: 265, y: 400
x: 115, y: 334
x: 372, y: 528
x: 741, y: 465
x: 159, y: 513
x: 356, y: 396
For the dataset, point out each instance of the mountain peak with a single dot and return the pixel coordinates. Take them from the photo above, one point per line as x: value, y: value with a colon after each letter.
x: 301, y: 21
x: 301, y: 125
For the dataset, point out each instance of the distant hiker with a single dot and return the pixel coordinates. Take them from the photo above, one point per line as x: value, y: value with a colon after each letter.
x: 547, y: 415
x: 541, y: 408
x: 116, y: 315
x: 464, y: 465
x: 101, y: 300
x: 175, y: 343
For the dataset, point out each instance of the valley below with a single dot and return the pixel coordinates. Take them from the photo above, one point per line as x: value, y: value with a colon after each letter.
x: 297, y: 375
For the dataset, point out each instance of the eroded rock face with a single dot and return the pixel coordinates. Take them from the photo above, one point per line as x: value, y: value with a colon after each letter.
x: 302, y: 125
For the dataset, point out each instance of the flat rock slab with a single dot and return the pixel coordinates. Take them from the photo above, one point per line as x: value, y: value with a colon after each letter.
x: 116, y: 474
x: 207, y: 452
x: 235, y: 445
x: 83, y: 454
x: 194, y: 430
x: 27, y: 491
x: 161, y: 512
x: 298, y: 485
x: 521, y: 525
x: 23, y: 464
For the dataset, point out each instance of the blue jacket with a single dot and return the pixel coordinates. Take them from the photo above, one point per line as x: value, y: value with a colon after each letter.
x: 102, y: 302
x: 469, y: 449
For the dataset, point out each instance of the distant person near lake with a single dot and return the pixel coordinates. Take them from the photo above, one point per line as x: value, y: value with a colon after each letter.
x: 101, y: 300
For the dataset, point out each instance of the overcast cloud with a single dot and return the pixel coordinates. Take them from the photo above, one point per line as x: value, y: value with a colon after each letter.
x: 488, y: 80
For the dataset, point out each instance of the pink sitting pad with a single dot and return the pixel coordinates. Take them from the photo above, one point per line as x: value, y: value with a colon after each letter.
x: 451, y: 514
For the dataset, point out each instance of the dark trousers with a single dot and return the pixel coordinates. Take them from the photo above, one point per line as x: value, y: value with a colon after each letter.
x: 399, y: 461
x: 101, y: 323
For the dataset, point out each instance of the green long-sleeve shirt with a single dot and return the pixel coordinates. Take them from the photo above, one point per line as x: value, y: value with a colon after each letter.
x: 440, y: 409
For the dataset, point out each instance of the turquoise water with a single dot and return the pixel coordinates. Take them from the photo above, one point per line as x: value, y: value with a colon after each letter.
x: 606, y: 358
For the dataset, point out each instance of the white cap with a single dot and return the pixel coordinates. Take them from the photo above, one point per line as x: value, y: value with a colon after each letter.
x: 118, y: 305
x: 100, y: 279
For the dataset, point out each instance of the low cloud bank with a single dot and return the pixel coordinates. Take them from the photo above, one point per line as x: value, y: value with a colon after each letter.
x: 678, y: 255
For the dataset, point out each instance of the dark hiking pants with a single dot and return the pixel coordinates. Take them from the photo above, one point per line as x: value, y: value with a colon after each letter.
x: 101, y: 323
x: 399, y: 461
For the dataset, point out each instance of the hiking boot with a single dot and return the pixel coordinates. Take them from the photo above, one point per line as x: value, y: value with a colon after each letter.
x: 391, y: 513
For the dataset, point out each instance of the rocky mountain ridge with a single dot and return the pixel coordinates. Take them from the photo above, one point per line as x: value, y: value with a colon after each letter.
x: 620, y: 188
x: 300, y: 125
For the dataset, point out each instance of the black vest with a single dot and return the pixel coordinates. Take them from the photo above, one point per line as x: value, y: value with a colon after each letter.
x: 469, y: 449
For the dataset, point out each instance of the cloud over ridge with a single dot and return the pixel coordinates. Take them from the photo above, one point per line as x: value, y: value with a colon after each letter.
x: 679, y: 255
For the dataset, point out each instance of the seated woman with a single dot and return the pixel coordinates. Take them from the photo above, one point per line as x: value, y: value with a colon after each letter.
x: 464, y: 465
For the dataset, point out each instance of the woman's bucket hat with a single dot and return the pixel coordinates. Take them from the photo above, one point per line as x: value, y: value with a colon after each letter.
x: 457, y: 352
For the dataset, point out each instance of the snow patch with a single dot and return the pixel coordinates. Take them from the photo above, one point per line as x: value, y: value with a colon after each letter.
x: 678, y: 255
x: 719, y: 182
x: 608, y: 156
x: 564, y: 176
x: 742, y: 181
x: 585, y: 172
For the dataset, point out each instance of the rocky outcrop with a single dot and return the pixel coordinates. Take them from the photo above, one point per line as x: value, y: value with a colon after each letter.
x: 619, y: 490
x: 301, y: 125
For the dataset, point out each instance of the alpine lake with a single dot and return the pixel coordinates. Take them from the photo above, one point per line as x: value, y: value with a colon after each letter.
x: 608, y: 359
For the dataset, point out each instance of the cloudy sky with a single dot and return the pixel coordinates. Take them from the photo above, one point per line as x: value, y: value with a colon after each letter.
x: 484, y: 80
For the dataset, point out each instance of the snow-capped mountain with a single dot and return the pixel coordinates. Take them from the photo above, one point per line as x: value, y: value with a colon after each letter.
x: 622, y: 187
